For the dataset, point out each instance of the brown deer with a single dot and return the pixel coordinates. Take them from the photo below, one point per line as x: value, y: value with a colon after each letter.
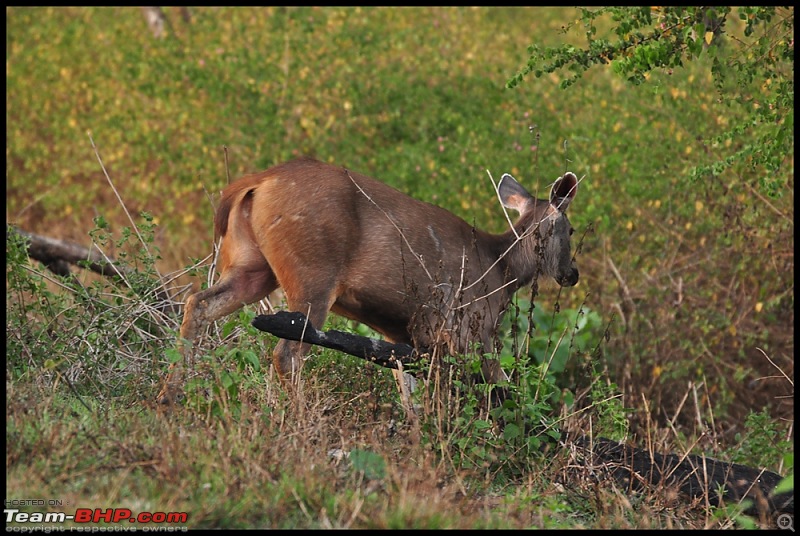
x: 339, y: 241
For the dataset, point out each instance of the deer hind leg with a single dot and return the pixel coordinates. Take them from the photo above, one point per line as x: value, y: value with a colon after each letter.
x: 236, y: 288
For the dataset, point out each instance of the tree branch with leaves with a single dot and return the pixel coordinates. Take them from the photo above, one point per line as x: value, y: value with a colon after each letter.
x: 752, y: 68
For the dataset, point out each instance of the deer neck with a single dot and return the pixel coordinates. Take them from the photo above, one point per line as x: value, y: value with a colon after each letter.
x: 517, y: 249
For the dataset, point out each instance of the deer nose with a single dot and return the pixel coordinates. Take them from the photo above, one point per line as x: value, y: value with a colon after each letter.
x: 569, y: 279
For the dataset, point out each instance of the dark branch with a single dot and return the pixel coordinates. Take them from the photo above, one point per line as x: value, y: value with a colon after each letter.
x: 695, y: 476
x: 55, y: 254
x: 296, y: 327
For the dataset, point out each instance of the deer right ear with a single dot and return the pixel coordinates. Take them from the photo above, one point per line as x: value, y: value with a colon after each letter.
x: 563, y: 191
x: 512, y: 194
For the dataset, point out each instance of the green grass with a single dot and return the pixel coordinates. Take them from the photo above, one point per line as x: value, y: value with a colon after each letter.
x: 691, y: 283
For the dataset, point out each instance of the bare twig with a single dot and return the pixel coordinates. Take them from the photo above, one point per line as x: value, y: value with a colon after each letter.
x: 502, y: 205
x: 119, y: 198
x: 388, y: 217
x: 227, y: 169
x: 771, y: 362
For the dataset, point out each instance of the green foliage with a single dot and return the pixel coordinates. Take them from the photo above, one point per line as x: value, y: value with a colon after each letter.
x: 735, y: 513
x: 761, y: 443
x: 506, y: 439
x: 549, y: 338
x: 461, y: 423
x: 370, y: 464
x: 95, y: 333
x: 233, y: 370
x: 27, y: 297
x: 759, y: 62
x: 725, y: 117
x: 612, y: 415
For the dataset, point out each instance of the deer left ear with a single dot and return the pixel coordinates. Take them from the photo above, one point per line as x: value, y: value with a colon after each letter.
x: 563, y: 191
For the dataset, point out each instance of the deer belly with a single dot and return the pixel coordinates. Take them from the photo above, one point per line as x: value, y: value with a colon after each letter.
x: 390, y: 318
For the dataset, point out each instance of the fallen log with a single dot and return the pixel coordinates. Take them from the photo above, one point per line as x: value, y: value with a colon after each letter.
x: 58, y: 254
x: 635, y: 468
x: 695, y: 476
x: 296, y: 327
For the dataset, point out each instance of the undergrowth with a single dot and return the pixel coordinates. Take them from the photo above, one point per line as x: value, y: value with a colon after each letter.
x: 96, y: 350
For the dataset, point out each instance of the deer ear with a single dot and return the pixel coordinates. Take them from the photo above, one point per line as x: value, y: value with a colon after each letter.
x: 512, y: 194
x: 563, y: 191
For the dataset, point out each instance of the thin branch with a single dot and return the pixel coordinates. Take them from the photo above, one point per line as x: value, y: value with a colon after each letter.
x: 502, y: 205
x: 119, y: 198
x: 791, y: 381
x: 498, y: 289
x: 416, y: 255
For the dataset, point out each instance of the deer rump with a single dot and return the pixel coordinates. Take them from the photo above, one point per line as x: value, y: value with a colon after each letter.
x: 339, y: 241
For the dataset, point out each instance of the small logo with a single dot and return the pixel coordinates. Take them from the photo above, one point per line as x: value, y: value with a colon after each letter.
x: 786, y: 522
